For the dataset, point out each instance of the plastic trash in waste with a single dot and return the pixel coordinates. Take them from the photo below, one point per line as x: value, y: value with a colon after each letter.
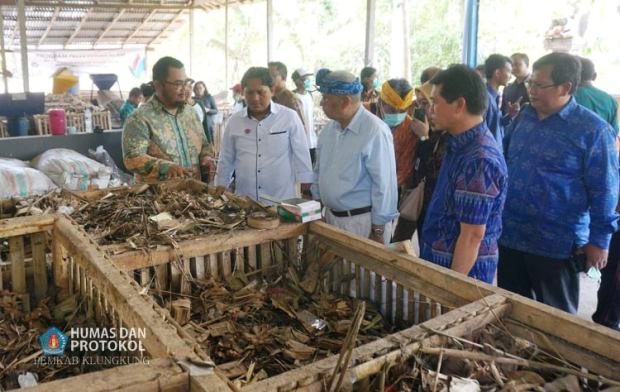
x: 27, y: 380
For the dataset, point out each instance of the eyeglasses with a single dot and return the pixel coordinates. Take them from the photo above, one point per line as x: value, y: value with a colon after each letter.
x: 537, y: 86
x: 179, y: 84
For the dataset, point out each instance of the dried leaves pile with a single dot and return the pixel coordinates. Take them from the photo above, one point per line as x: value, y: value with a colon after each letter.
x: 491, y: 360
x: 148, y: 215
x: 253, y: 329
x: 19, y: 339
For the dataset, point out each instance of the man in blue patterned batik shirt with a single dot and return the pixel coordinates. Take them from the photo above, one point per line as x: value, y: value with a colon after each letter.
x: 563, y: 189
x: 463, y: 221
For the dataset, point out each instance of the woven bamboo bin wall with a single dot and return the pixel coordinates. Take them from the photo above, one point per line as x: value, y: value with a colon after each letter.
x: 429, y: 302
x: 79, y: 267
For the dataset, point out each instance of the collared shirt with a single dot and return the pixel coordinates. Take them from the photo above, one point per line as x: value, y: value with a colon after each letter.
x: 563, y: 186
x: 154, y: 139
x: 355, y: 167
x: 127, y: 108
x: 405, y: 142
x: 268, y: 156
x: 471, y: 189
x: 600, y: 103
x: 512, y: 93
x: 308, y: 106
x: 493, y: 117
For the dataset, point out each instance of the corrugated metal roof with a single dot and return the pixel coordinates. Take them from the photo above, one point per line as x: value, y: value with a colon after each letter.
x: 80, y: 23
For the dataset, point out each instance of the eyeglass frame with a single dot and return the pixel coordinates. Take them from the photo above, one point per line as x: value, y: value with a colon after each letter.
x: 179, y: 84
x: 529, y: 85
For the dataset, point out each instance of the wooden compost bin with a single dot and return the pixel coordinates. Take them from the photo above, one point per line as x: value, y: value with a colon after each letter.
x: 429, y: 301
x: 79, y: 267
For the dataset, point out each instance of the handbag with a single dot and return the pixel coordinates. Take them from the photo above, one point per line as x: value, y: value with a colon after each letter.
x: 411, y: 206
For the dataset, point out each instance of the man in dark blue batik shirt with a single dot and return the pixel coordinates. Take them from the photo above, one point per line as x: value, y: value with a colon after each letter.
x: 463, y: 221
x: 563, y: 189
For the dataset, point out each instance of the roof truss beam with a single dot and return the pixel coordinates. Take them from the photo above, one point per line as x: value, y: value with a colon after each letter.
x: 107, y: 29
x: 77, y: 29
x: 49, y: 26
x: 144, y: 22
x: 165, y: 29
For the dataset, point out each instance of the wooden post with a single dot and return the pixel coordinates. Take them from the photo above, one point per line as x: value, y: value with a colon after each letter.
x: 60, y: 267
x: 23, y: 43
x: 269, y: 30
x: 18, y: 269
x: 369, y: 50
x: 3, y: 58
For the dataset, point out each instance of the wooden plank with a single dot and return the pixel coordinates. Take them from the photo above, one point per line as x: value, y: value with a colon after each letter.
x: 128, y: 261
x: 200, y: 267
x: 389, y: 300
x: 161, y: 273
x: 226, y: 263
x: 26, y: 225
x: 18, y: 269
x: 592, y: 361
x: 410, y: 307
x: 400, y: 293
x: 145, y: 277
x: 138, y: 311
x: 60, y: 267
x: 423, y: 306
x: 358, y: 281
x: 252, y: 263
x: 347, y: 282
x: 278, y: 252
x: 462, y: 321
x: 158, y: 375
x: 265, y: 255
x: 378, y: 288
x: 214, y: 268
x: 39, y: 264
x: 366, y: 288
x: 291, y: 250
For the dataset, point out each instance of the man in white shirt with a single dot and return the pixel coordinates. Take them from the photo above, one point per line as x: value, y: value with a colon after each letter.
x: 302, y: 81
x: 264, y: 145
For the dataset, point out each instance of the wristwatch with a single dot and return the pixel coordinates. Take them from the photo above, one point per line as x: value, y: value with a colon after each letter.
x: 378, y: 230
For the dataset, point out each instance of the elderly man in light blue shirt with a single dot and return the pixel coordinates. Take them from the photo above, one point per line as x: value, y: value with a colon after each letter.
x: 264, y: 145
x: 355, y: 169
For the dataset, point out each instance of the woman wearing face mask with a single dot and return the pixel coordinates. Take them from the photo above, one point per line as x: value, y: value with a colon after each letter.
x: 370, y: 82
x: 395, y: 100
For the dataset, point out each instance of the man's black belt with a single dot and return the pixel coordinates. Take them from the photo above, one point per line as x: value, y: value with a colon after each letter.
x: 357, y: 211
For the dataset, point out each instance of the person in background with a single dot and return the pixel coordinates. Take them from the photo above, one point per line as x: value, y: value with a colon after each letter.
x: 428, y: 73
x: 304, y: 85
x: 464, y: 219
x: 497, y: 69
x: 515, y: 94
x: 428, y: 158
x: 148, y: 90
x: 594, y: 98
x: 202, y: 96
x: 238, y: 100
x: 131, y: 104
x: 563, y: 189
x: 370, y: 93
x: 355, y: 169
x: 189, y: 83
x: 281, y: 94
x: 163, y: 138
x: 264, y: 145
x: 480, y: 71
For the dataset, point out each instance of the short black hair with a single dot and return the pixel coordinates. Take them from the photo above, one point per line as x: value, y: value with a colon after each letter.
x: 495, y: 62
x: 161, y: 67
x: 521, y: 56
x: 400, y: 86
x: 261, y: 73
x: 367, y: 72
x: 135, y: 92
x: 280, y: 67
x: 428, y: 73
x: 147, y: 89
x: 566, y: 68
x: 461, y: 81
x: 587, y: 69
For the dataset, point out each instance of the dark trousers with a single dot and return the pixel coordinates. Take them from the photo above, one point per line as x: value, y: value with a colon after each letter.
x: 554, y: 282
x: 608, y: 307
x: 313, y: 155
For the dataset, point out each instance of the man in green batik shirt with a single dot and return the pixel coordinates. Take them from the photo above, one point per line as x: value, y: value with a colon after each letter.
x: 163, y: 138
x: 594, y: 98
